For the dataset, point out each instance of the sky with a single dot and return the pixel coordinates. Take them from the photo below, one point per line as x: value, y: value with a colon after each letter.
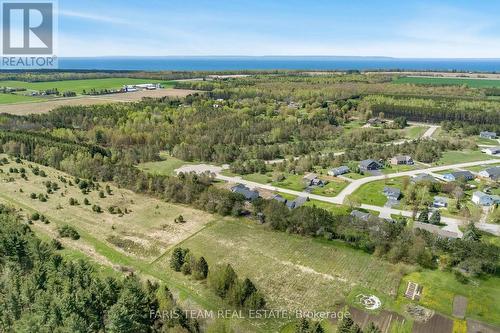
x: 408, y: 29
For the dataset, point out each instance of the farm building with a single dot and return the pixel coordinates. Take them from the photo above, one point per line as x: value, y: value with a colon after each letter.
x: 369, y: 164
x: 392, y: 193
x: 483, y: 199
x: 401, y: 159
x: 245, y: 191
x: 453, y: 176
x: 338, y: 171
x: 492, y: 173
x: 440, y: 201
x: 491, y: 150
x: 488, y: 135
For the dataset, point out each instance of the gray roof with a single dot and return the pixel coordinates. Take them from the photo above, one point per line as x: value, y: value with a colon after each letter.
x: 402, y: 157
x: 310, y: 176
x: 488, y: 133
x: 462, y: 174
x: 421, y: 177
x: 493, y: 172
x: 366, y: 163
x: 245, y: 191
x: 296, y: 203
x: 360, y: 215
x: 279, y: 198
x: 340, y: 169
x: 392, y: 191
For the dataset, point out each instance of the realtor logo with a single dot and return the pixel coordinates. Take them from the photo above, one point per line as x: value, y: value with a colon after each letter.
x: 28, y: 30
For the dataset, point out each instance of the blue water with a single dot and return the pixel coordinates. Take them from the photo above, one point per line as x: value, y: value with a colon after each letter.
x: 269, y: 63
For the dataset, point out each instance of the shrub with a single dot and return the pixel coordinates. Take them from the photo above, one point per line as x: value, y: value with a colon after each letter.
x: 68, y: 231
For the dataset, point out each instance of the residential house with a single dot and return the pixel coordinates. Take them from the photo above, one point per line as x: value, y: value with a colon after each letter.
x: 375, y: 121
x: 338, y: 171
x: 401, y: 159
x: 453, y: 176
x: 392, y: 193
x: 492, y: 150
x: 483, y: 199
x: 312, y: 179
x: 357, y: 214
x: 488, y: 135
x: 369, y: 164
x: 291, y: 204
x: 279, y: 198
x: 440, y: 202
x: 245, y: 191
x: 492, y: 173
x: 423, y: 177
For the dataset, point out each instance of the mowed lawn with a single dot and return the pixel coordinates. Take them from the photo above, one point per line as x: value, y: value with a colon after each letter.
x: 166, y: 166
x: 371, y: 193
x: 79, y: 85
x: 455, y: 157
x: 14, y: 98
x: 473, y: 83
x: 292, y: 182
x: 332, y: 188
x: 439, y: 289
x: 294, y: 272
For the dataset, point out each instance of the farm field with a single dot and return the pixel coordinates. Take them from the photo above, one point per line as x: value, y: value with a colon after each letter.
x: 45, y: 105
x: 472, y: 83
x: 79, y: 85
x: 294, y: 272
x: 13, y: 98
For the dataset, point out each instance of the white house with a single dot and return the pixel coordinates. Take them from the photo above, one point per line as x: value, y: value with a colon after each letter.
x: 338, y: 171
x: 488, y: 135
x: 492, y: 150
x: 492, y: 173
x: 440, y: 201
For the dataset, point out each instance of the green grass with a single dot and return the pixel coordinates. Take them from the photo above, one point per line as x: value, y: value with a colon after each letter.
x: 331, y: 189
x: 441, y: 287
x: 79, y: 85
x: 258, y: 178
x: 371, y: 193
x: 292, y: 182
x: 165, y: 167
x: 414, y: 132
x: 15, y: 98
x: 473, y: 83
x: 294, y: 272
x: 484, y: 141
x: 478, y: 168
x: 455, y: 157
x: 398, y: 168
x: 354, y: 175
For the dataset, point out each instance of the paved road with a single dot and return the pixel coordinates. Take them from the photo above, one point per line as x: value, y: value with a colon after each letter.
x: 430, y: 131
x: 385, y: 212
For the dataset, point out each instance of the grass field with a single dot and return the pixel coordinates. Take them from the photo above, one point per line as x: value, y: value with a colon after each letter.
x: 166, y: 166
x: 473, y: 83
x: 332, y: 188
x: 294, y: 272
x: 292, y: 182
x: 371, y: 193
x: 79, y: 85
x: 414, y: 132
x: 146, y: 232
x: 13, y: 98
x: 454, y: 157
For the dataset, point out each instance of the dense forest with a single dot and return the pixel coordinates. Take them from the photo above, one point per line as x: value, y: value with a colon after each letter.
x: 43, y: 292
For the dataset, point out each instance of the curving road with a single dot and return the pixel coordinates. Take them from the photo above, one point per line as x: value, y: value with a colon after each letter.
x: 385, y: 212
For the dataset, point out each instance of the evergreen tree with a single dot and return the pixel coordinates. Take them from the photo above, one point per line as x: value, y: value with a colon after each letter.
x: 424, y: 216
x: 435, y: 217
